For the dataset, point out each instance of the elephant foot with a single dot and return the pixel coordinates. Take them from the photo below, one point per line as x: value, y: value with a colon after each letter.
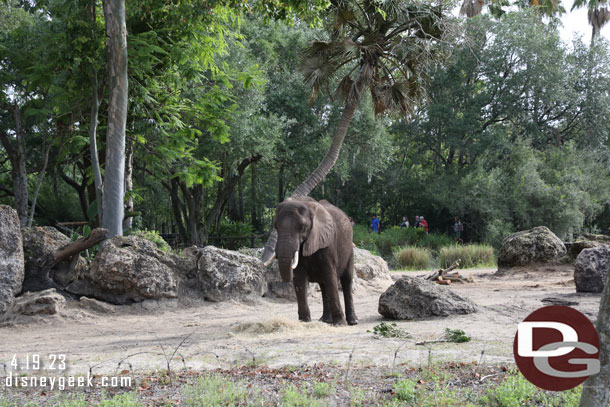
x: 340, y: 322
x: 326, y: 319
x: 352, y: 320
x: 305, y: 319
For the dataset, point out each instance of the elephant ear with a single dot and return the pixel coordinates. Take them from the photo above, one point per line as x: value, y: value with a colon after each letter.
x: 322, y: 230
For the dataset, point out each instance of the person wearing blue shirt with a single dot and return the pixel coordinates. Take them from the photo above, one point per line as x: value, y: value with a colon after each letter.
x: 375, y: 224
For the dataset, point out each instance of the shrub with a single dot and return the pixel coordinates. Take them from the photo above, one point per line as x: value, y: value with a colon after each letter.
x: 413, y: 258
x: 475, y: 255
x: 153, y: 236
x: 214, y: 390
x: 406, y: 390
x: 386, y: 242
x: 233, y: 235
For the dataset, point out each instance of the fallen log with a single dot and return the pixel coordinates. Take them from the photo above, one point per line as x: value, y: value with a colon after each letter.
x: 38, y: 279
x: 434, y: 275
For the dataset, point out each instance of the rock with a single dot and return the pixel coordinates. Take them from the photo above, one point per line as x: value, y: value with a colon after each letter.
x: 580, y: 245
x: 40, y: 244
x: 11, y: 257
x: 228, y: 275
x: 129, y: 269
x: 369, y: 267
x: 537, y: 245
x: 412, y: 297
x: 47, y: 302
x: 591, y: 269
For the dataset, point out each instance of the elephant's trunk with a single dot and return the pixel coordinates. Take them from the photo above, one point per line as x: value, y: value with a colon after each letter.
x: 287, y: 258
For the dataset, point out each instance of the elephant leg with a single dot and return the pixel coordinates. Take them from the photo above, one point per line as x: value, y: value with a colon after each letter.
x: 326, y: 310
x: 350, y: 312
x: 332, y: 293
x: 301, y: 283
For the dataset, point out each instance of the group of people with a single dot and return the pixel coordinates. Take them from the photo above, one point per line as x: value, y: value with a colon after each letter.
x: 420, y: 222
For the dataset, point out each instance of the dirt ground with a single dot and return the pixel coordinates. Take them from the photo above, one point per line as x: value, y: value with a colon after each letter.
x: 143, y: 338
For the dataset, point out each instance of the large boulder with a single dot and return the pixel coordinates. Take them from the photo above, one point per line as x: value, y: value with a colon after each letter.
x: 40, y: 244
x: 537, y: 245
x: 11, y: 257
x: 591, y: 269
x: 416, y: 298
x: 371, y: 272
x: 587, y: 241
x: 128, y: 269
x: 228, y: 275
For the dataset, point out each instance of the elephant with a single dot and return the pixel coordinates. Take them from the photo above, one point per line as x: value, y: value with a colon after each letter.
x: 315, y: 245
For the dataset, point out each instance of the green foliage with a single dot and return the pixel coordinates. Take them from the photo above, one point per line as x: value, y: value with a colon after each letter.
x: 516, y: 391
x: 292, y: 396
x: 385, y: 330
x: 214, y: 390
x: 413, y: 258
x: 234, y: 235
x: 470, y: 255
x: 456, y: 335
x: 321, y: 389
x: 153, y: 236
x: 121, y: 400
x: 406, y: 390
x: 386, y: 242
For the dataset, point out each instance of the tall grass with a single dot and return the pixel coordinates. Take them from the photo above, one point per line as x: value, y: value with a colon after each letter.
x: 413, y: 258
x: 387, y: 242
x: 471, y: 255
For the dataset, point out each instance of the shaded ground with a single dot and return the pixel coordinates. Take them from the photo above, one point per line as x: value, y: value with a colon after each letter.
x: 221, y: 336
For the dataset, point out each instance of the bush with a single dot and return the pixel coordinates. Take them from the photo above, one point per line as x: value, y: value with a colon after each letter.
x: 153, y: 236
x: 233, y: 235
x: 413, y: 258
x: 386, y: 242
x: 406, y: 390
x: 474, y: 255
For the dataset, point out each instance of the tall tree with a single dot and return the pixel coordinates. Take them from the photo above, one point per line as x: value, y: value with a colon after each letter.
x: 114, y: 177
x: 384, y: 47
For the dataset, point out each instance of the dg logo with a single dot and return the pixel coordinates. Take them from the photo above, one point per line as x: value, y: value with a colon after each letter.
x: 556, y: 348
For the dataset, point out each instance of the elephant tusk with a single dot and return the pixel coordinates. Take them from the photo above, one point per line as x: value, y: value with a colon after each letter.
x: 268, y: 262
x: 295, y: 261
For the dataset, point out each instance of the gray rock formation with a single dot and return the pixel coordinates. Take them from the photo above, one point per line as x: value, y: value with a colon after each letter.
x: 40, y: 244
x: 591, y: 269
x: 129, y: 269
x: 11, y: 257
x: 228, y: 275
x: 47, y: 302
x: 537, y: 245
x: 415, y: 298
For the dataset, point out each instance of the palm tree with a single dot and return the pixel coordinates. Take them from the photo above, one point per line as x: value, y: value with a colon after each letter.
x: 597, y: 13
x: 384, y: 47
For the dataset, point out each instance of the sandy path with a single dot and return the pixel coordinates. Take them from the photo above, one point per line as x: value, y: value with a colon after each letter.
x: 101, y: 342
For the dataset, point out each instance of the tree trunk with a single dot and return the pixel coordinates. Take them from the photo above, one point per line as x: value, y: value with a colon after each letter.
x: 128, y: 222
x: 596, y: 389
x: 240, y: 190
x: 95, y: 160
x: 325, y: 165
x: 17, y: 157
x: 253, y: 206
x: 114, y: 178
x: 45, y: 162
x: 38, y: 279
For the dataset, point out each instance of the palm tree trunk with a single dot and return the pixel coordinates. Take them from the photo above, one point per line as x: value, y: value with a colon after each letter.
x: 95, y: 160
x: 114, y: 177
x: 596, y: 389
x: 327, y: 162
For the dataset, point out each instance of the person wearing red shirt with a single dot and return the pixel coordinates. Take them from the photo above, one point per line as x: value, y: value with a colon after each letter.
x: 423, y: 223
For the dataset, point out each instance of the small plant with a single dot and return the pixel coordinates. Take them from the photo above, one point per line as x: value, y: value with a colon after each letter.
x: 456, y: 335
x: 153, y: 236
x: 406, y: 390
x: 413, y: 258
x: 214, y: 390
x: 293, y: 397
x: 321, y: 389
x: 121, y: 400
x: 385, y: 330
